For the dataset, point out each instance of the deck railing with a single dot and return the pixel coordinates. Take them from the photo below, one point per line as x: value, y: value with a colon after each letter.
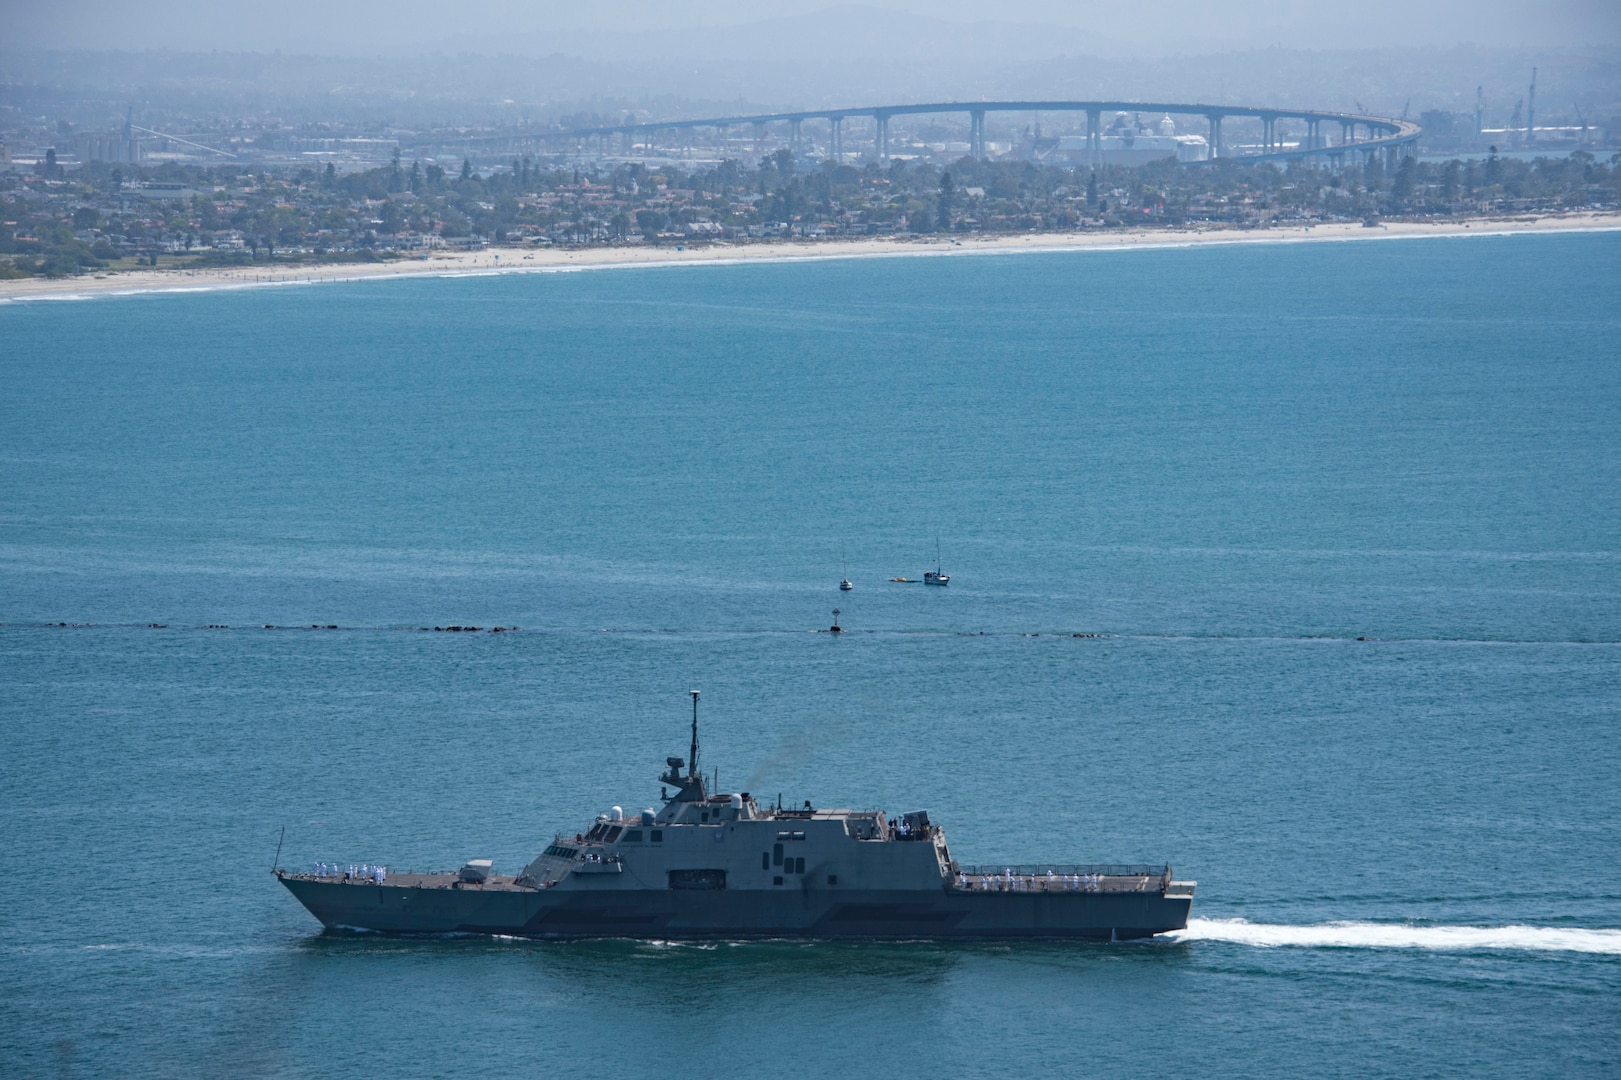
x: 1064, y: 877
x: 1104, y: 869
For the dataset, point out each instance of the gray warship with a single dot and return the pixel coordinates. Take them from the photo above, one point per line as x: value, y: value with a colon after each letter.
x: 723, y: 866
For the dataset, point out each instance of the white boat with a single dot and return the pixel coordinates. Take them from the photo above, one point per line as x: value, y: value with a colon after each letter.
x: 936, y: 576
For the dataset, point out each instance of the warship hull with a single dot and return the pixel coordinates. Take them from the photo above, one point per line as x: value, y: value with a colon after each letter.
x: 438, y: 904
x: 725, y: 866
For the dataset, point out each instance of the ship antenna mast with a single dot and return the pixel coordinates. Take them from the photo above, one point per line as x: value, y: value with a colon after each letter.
x: 692, y: 762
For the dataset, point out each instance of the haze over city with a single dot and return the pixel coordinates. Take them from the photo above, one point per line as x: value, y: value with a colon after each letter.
x: 608, y: 30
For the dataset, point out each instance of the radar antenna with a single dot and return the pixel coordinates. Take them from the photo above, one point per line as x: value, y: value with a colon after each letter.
x: 689, y: 787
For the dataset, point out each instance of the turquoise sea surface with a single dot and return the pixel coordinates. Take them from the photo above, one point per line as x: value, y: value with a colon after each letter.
x: 1340, y: 524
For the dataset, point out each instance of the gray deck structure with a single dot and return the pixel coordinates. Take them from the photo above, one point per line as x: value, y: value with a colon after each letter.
x: 724, y: 866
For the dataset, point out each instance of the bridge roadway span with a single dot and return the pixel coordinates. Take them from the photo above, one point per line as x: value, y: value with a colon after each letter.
x: 1382, y: 133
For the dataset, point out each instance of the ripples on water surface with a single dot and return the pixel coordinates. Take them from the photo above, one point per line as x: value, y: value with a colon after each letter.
x: 1231, y: 465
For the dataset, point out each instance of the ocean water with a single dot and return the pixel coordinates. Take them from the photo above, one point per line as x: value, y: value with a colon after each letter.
x: 1344, y: 519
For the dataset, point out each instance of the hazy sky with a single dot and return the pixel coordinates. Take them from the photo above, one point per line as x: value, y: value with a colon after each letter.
x: 370, y: 27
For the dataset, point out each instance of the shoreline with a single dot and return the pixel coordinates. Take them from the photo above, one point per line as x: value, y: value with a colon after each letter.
x: 531, y: 260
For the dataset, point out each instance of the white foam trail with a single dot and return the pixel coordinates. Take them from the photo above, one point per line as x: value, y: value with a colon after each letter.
x: 1367, y: 935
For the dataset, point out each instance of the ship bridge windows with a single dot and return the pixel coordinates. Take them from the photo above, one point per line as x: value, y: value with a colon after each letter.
x: 656, y: 836
x: 561, y: 852
x: 604, y: 832
x: 633, y: 836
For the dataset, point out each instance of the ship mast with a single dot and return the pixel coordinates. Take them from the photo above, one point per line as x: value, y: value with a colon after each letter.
x: 692, y: 762
x: 689, y: 787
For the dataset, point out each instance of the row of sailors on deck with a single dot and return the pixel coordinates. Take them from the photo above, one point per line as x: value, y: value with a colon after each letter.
x: 1011, y: 882
x: 353, y: 872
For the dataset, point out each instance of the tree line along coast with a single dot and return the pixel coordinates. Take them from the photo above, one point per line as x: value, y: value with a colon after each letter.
x: 103, y: 217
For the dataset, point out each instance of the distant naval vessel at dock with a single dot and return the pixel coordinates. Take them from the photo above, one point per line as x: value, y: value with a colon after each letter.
x: 709, y: 865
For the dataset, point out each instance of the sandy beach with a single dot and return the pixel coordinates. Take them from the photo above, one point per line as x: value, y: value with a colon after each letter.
x: 522, y: 259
